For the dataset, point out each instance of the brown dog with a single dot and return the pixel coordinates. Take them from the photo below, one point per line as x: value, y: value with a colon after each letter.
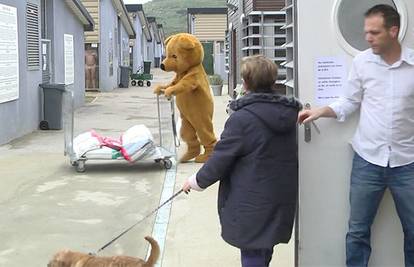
x: 69, y: 258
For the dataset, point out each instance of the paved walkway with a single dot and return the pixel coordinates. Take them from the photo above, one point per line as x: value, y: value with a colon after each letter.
x: 45, y: 205
x: 193, y: 237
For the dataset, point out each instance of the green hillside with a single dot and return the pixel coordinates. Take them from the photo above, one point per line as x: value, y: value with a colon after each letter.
x: 172, y: 13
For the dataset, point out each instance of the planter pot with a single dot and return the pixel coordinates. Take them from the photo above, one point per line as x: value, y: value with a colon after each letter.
x: 217, y: 89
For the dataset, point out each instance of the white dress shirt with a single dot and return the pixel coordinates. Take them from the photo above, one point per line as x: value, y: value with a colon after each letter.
x: 385, y: 95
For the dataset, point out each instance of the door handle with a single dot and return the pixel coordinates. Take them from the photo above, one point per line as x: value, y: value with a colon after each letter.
x: 307, y: 127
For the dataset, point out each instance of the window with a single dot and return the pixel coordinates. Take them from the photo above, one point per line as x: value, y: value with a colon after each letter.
x: 32, y: 36
x: 280, y: 53
x: 279, y: 30
x: 279, y: 41
x: 350, y: 17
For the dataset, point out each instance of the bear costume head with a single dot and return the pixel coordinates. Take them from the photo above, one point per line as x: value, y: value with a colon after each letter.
x: 183, y: 51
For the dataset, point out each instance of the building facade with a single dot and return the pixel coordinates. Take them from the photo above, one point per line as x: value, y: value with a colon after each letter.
x: 209, y: 26
x: 39, y: 48
x: 107, y: 48
x: 255, y: 27
x: 157, y: 42
x: 143, y: 36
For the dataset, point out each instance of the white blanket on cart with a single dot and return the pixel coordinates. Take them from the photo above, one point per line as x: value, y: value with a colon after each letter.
x: 134, y: 144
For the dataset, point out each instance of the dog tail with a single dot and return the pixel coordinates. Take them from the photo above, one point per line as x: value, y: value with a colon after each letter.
x: 155, y: 252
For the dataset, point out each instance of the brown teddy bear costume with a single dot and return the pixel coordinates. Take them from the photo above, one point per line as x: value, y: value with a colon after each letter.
x: 190, y: 85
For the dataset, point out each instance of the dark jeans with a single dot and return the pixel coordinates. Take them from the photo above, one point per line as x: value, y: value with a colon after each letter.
x: 368, y: 183
x: 256, y: 257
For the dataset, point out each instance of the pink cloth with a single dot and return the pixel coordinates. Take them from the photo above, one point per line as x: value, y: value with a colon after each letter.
x: 107, y: 141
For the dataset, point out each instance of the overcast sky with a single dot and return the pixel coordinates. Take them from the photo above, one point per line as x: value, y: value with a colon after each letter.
x: 135, y: 1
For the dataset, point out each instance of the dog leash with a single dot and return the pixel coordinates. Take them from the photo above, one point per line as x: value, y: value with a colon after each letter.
x: 132, y: 226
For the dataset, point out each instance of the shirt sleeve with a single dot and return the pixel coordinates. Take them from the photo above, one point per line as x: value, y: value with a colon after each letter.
x: 351, y: 100
x: 226, y: 151
x: 193, y: 183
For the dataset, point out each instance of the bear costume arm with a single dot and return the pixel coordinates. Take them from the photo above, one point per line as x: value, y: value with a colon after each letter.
x: 187, y: 83
x: 160, y: 88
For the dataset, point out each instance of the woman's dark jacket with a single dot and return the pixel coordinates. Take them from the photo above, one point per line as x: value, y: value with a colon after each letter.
x: 257, y: 165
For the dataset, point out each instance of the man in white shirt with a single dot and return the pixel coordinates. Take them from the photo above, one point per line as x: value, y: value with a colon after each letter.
x: 381, y: 84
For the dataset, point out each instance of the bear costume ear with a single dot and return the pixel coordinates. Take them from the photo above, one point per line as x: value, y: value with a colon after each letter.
x: 168, y: 39
x: 186, y: 43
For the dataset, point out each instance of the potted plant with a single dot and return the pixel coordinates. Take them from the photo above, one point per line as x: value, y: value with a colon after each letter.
x: 216, y: 84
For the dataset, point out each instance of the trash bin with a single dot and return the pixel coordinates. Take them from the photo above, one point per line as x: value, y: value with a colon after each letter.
x: 52, y: 106
x: 147, y: 67
x: 124, y: 83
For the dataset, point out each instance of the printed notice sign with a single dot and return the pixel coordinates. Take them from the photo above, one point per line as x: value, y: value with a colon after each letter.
x: 330, y: 79
x: 69, y: 59
x: 9, y: 54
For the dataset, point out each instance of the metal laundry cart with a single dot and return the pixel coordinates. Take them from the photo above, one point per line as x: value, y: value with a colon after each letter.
x: 158, y: 153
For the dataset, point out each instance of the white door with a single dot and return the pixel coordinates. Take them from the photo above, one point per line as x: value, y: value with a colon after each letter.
x: 334, y: 29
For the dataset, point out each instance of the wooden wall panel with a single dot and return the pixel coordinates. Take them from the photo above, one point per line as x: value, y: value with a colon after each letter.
x: 268, y: 5
x: 93, y: 8
x: 210, y: 27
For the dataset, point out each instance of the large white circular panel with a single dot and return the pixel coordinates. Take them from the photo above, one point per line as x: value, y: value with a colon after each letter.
x: 348, y: 17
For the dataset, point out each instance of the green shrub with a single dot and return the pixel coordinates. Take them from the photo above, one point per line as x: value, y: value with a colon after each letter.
x: 215, y: 79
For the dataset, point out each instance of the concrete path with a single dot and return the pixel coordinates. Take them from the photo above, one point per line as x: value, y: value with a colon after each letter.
x: 193, y: 237
x: 45, y: 205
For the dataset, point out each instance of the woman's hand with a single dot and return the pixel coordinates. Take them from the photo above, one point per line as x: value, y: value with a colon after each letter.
x: 191, y: 183
x: 186, y: 187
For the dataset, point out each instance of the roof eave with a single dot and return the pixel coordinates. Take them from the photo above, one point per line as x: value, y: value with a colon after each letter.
x: 207, y: 10
x: 82, y: 14
x: 126, y: 21
x: 145, y: 25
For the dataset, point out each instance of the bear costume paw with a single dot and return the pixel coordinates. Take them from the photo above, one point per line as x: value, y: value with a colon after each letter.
x: 190, y: 154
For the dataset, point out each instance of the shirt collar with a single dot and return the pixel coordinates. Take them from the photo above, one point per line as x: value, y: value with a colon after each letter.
x: 373, y: 57
x: 407, y: 55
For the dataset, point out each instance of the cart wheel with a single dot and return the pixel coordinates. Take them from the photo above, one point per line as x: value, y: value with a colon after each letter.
x: 80, y: 166
x: 167, y: 164
x: 148, y: 83
x: 44, y: 125
x: 140, y: 83
x: 134, y: 83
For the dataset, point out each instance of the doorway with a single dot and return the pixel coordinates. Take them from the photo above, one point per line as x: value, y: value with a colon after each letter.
x: 208, y: 61
x: 91, y: 67
x: 233, y: 68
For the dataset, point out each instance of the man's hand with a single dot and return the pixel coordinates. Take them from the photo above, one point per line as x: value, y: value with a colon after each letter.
x: 309, y: 115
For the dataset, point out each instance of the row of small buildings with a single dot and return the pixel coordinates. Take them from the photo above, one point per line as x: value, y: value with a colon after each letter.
x: 258, y: 27
x: 245, y: 28
x: 79, y: 43
x: 86, y: 43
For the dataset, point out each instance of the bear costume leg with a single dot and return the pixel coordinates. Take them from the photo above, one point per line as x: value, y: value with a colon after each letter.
x: 207, y: 138
x: 207, y: 152
x: 188, y: 134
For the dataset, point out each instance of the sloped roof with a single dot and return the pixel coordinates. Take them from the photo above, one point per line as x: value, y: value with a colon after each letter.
x: 137, y: 8
x: 123, y: 14
x: 154, y: 26
x: 82, y: 14
x: 207, y: 10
